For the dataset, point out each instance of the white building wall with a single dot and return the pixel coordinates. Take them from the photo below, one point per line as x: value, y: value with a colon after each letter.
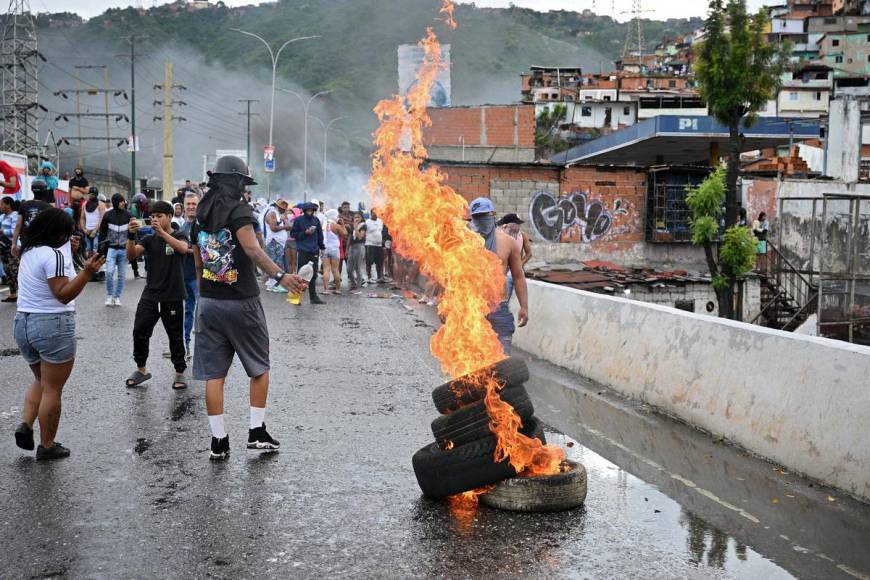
x: 650, y: 113
x: 803, y: 103
x: 596, y: 94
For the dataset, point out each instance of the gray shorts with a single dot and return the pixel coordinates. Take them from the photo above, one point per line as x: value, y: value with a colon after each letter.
x: 230, y: 327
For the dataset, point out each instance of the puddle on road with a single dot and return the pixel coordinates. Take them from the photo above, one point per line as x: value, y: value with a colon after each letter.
x: 698, y: 542
x: 726, y: 508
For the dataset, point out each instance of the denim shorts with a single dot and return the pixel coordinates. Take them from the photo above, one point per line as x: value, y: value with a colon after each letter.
x: 48, y: 337
x: 332, y: 253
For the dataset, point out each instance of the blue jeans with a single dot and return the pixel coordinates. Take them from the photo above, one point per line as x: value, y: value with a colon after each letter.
x: 502, y: 322
x: 116, y: 259
x: 91, y: 244
x: 190, y: 307
x: 275, y: 251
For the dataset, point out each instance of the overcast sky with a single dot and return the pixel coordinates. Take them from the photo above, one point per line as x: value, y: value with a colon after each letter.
x: 659, y: 10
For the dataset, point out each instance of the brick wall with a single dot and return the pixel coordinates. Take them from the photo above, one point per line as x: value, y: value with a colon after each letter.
x: 760, y: 196
x: 609, y: 202
x: 488, y: 126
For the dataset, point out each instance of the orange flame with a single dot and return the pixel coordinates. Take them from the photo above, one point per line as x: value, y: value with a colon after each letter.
x: 447, y: 9
x: 427, y: 221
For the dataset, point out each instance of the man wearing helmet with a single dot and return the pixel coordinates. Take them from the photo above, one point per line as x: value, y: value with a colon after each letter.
x: 230, y: 319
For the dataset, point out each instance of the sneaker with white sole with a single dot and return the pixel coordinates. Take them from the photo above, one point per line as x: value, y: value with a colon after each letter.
x: 259, y: 438
x: 117, y: 301
x: 220, y: 448
x: 109, y: 301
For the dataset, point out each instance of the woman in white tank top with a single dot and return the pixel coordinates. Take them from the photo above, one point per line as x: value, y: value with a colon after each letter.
x: 92, y: 213
x: 332, y: 255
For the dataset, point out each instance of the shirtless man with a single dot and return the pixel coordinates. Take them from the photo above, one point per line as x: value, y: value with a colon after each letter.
x: 505, y: 247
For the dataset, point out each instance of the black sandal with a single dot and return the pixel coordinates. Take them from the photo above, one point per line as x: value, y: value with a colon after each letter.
x: 179, y: 383
x: 137, y: 379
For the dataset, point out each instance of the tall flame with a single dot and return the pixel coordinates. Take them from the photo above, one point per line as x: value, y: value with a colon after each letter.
x: 427, y: 221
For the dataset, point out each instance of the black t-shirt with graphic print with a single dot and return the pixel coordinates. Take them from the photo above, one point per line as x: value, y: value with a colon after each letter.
x: 165, y: 281
x: 227, y: 271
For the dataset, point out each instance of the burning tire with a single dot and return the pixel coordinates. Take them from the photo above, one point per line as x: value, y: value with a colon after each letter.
x: 459, y: 392
x: 546, y: 493
x: 471, y: 422
x: 442, y: 473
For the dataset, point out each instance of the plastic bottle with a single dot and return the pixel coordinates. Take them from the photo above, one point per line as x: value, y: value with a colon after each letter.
x: 306, y: 272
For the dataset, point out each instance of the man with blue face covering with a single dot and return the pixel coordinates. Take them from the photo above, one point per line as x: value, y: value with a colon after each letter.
x: 502, y: 245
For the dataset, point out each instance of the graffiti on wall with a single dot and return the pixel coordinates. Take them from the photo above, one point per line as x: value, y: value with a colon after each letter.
x: 572, y: 218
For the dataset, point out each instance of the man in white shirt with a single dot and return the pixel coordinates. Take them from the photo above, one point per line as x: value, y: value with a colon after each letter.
x: 375, y: 247
x: 275, y: 231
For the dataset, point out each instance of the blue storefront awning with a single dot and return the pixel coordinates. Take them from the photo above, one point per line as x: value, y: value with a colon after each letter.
x: 678, y: 139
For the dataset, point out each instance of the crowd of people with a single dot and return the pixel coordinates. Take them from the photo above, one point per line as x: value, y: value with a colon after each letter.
x: 206, y: 255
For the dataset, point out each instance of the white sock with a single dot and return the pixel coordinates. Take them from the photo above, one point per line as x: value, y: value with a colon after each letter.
x: 258, y: 415
x: 216, y: 422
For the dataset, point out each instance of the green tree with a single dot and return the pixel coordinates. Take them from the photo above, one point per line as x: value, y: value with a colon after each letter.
x: 547, y: 140
x: 737, y: 71
x: 737, y: 251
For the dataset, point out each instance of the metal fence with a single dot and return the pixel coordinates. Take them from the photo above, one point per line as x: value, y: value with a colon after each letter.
x: 827, y: 239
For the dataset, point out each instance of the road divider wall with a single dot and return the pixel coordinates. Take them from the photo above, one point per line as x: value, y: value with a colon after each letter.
x: 800, y: 401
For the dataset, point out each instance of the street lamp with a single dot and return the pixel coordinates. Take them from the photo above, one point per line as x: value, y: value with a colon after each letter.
x: 326, y: 127
x: 305, y: 106
x: 275, y: 55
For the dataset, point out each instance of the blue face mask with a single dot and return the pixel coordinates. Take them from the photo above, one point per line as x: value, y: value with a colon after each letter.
x: 484, y: 225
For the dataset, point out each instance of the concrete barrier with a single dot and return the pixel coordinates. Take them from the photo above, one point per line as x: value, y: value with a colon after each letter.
x: 801, y: 401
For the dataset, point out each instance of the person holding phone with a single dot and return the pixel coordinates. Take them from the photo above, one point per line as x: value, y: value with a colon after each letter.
x: 113, y: 245
x: 163, y: 296
x: 45, y: 327
x: 308, y: 234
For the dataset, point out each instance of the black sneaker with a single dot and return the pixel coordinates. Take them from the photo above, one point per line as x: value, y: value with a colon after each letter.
x: 220, y: 448
x: 316, y: 300
x: 24, y: 436
x: 259, y: 438
x: 56, y: 451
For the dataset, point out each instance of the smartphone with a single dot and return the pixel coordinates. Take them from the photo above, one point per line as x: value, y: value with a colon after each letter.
x: 103, y: 248
x: 146, y: 221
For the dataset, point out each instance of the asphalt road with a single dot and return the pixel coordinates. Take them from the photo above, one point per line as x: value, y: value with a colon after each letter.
x: 350, y: 404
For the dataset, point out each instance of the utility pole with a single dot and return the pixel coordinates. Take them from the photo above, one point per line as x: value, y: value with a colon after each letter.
x: 105, y: 69
x: 79, y: 118
x: 133, y: 140
x: 106, y: 103
x: 248, y: 114
x: 305, y: 107
x: 168, y: 102
x: 168, y: 161
x: 105, y: 116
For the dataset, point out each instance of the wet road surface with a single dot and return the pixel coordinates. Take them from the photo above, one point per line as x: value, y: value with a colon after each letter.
x: 350, y: 404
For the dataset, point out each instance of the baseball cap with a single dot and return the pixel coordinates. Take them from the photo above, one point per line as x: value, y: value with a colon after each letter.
x: 510, y: 218
x: 482, y: 205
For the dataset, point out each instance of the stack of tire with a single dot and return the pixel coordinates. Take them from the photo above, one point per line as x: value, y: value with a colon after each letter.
x: 462, y: 457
